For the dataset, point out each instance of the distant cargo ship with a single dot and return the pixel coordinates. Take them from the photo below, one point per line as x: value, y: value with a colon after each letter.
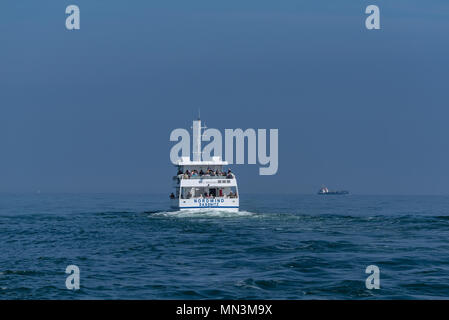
x: 326, y: 191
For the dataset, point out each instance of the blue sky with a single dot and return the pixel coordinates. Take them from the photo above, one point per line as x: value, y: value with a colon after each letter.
x: 92, y: 110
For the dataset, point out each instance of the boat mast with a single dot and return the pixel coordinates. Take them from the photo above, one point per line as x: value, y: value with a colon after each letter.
x: 197, y: 139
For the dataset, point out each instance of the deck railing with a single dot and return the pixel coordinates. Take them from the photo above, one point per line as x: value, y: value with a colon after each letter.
x: 226, y: 177
x: 234, y: 196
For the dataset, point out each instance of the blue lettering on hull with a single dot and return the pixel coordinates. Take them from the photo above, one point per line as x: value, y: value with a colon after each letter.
x: 208, y: 207
x: 209, y: 201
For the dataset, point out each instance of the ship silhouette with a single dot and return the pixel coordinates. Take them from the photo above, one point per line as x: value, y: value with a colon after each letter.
x: 326, y: 191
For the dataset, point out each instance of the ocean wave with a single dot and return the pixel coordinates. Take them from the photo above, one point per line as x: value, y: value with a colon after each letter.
x: 22, y: 272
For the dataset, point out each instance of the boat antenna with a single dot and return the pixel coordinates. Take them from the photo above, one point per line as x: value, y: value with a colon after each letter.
x: 199, y: 114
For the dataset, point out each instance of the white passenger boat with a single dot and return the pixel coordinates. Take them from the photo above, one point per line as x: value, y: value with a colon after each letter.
x: 204, y: 185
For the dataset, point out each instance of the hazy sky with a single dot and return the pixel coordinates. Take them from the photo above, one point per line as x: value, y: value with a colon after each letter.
x: 92, y: 110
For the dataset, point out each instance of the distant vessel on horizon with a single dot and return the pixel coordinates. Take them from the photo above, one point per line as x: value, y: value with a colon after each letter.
x: 326, y: 191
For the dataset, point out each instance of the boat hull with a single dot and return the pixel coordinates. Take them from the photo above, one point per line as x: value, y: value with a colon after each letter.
x: 330, y: 193
x: 208, y: 209
x: 228, y: 205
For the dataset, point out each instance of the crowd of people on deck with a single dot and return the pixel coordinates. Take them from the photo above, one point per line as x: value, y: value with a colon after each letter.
x: 206, y: 195
x: 208, y: 173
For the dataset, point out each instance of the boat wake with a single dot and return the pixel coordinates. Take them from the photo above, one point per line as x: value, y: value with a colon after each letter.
x: 202, y: 214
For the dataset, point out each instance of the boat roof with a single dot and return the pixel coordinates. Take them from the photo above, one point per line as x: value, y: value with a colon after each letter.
x: 216, y: 161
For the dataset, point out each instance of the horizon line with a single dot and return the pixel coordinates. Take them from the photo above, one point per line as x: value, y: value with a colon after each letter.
x: 251, y: 194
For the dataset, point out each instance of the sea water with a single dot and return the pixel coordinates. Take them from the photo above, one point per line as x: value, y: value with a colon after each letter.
x: 276, y: 247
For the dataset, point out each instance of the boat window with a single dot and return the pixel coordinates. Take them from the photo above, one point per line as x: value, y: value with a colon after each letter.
x: 208, y: 192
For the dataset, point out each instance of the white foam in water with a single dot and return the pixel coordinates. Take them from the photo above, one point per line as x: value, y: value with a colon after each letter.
x: 204, y: 214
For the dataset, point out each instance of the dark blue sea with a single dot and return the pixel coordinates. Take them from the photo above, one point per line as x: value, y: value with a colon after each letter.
x: 276, y: 247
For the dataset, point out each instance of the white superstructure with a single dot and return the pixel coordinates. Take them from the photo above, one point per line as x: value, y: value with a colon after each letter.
x: 204, y: 185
